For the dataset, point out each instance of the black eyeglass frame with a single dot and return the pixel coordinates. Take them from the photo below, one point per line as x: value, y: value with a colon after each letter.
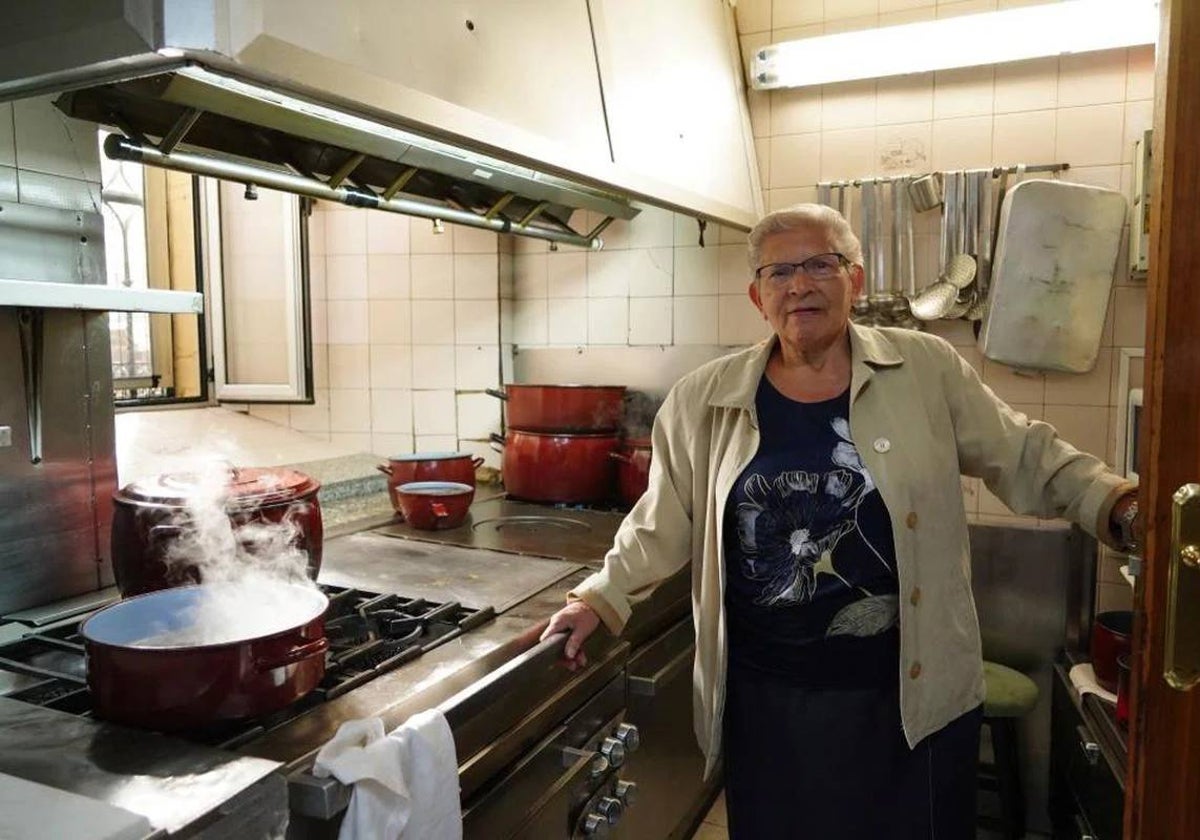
x: 843, y: 262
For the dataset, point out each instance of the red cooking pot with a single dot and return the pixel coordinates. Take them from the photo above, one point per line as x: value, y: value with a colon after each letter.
x: 633, y: 469
x: 561, y: 468
x: 562, y: 408
x: 1111, y: 636
x: 434, y: 505
x: 458, y: 467
x: 151, y: 515
x: 188, y: 656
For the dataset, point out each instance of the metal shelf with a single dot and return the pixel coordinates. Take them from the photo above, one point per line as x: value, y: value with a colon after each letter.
x: 42, y: 295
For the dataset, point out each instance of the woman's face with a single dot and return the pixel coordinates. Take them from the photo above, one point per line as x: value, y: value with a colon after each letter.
x: 806, y: 312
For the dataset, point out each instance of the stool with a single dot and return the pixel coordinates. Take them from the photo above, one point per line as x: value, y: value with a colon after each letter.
x: 1010, y: 695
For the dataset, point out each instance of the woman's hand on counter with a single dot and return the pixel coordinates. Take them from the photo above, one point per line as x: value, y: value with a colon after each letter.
x: 581, y: 621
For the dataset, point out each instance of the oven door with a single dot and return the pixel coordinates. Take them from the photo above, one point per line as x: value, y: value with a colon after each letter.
x: 668, y: 768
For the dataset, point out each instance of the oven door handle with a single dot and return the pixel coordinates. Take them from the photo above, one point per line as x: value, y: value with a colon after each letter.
x: 652, y: 685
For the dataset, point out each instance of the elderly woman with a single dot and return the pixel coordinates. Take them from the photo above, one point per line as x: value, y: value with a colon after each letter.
x: 812, y: 481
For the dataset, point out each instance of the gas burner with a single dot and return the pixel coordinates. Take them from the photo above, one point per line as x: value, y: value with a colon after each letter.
x: 532, y: 524
x: 369, y: 634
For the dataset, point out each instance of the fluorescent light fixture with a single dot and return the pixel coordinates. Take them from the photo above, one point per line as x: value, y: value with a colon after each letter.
x: 1073, y: 26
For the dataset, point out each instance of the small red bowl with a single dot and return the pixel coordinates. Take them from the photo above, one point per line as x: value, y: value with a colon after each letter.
x: 434, y: 505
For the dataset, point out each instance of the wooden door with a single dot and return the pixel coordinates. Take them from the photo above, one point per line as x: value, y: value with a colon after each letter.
x: 1163, y: 794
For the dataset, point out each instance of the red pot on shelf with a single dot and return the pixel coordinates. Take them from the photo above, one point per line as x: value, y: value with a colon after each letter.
x: 150, y: 515
x: 563, y: 409
x: 558, y: 468
x: 633, y: 469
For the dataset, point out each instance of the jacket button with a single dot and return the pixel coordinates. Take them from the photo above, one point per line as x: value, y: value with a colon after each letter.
x: 915, y: 597
x: 882, y: 445
x: 911, y: 519
x: 915, y: 670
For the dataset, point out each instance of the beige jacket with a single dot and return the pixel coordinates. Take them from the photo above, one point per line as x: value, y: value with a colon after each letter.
x: 919, y: 416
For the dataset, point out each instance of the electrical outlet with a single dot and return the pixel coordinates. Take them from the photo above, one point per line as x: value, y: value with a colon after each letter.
x: 5, y: 436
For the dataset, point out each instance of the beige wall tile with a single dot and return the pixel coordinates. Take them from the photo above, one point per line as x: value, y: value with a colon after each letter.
x: 850, y: 24
x: 432, y: 366
x: 390, y: 366
x: 1093, y: 388
x: 346, y: 232
x: 432, y: 276
x: 478, y: 416
x: 902, y: 5
x: 796, y: 12
x: 795, y: 160
x: 1139, y: 79
x: 387, y: 444
x: 437, y: 443
x: 848, y: 154
x: 423, y: 237
x: 733, y: 272
x: 962, y: 143
x: 473, y: 240
x: 530, y: 322
x: 759, y: 103
x: 608, y: 321
x: 907, y: 16
x: 433, y: 322
x: 835, y: 9
x: 904, y: 148
x: 608, y: 274
x: 848, y: 105
x: 477, y: 321
x: 1013, y: 387
x: 1098, y: 176
x: 531, y: 276
x: 390, y: 322
x: 389, y: 276
x: 762, y: 157
x: 346, y: 277
x: 349, y: 410
x: 349, y: 366
x: 964, y: 7
x: 567, y: 321
x: 695, y: 320
x: 738, y: 322
x: 1026, y: 85
x: 650, y: 272
x: 347, y: 321
x: 434, y: 412
x: 796, y: 110
x: 1083, y: 426
x: 476, y: 276
x: 904, y: 99
x: 1093, y: 78
x: 1139, y: 116
x: 1129, y: 316
x: 777, y: 199
x: 753, y: 15
x: 1024, y: 137
x: 650, y: 320
x: 566, y: 274
x: 965, y: 92
x: 1090, y: 136
x: 696, y: 270
x: 387, y: 233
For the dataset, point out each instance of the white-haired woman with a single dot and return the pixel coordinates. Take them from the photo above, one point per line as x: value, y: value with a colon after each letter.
x: 812, y: 482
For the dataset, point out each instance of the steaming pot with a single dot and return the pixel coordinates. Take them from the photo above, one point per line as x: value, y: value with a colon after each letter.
x: 150, y: 515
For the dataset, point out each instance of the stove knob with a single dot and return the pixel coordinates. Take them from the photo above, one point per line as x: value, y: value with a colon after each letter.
x: 627, y: 792
x: 629, y: 735
x: 595, y: 825
x: 610, y: 808
x: 598, y: 767
x: 614, y: 751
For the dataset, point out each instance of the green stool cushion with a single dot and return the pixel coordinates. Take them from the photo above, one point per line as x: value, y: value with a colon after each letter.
x: 1009, y: 693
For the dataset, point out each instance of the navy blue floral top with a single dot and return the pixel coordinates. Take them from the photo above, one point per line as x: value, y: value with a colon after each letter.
x: 811, y: 586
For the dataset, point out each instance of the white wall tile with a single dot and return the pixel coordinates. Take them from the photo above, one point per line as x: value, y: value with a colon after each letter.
x: 1024, y: 137
x: 388, y: 444
x: 391, y: 365
x: 349, y: 366
x: 49, y: 142
x: 433, y: 366
x: 962, y: 143
x: 311, y: 418
x: 476, y: 367
x: 567, y: 274
x: 477, y: 321
x: 320, y: 321
x: 738, y: 322
x: 531, y: 276
x: 608, y: 320
x: 964, y: 92
x: 568, y: 320
x: 346, y: 276
x: 478, y: 416
x: 795, y: 110
x: 1092, y: 78
x: 391, y: 411
x: 904, y: 99
x: 391, y: 321
x: 696, y: 270
x: 795, y: 160
x: 848, y: 105
x: 1090, y: 136
x: 318, y: 289
x: 473, y: 240
x: 432, y: 276
x: 476, y: 276
x: 347, y: 321
x: 695, y: 320
x: 608, y: 273
x: 354, y: 441
x: 423, y: 239
x: 346, y: 232
x: 434, y: 413
x: 437, y: 443
x: 1026, y: 85
x: 316, y: 228
x: 349, y: 410
x: 650, y: 320
x: 387, y: 233
x: 733, y: 272
x: 650, y: 271
x: 433, y: 322
x: 654, y: 227
x: 388, y: 276
x: 481, y: 449
x: 530, y: 322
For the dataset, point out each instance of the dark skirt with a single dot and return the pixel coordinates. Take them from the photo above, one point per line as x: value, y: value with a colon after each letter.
x: 832, y: 764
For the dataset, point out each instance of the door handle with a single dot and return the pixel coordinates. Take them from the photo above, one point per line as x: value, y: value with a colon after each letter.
x: 1181, y: 658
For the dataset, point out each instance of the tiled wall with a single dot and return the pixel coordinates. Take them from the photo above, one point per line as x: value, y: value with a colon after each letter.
x: 47, y: 158
x: 406, y: 334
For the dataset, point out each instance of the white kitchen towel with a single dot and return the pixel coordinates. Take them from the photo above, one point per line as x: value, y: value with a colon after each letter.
x: 405, y: 782
x: 1083, y: 677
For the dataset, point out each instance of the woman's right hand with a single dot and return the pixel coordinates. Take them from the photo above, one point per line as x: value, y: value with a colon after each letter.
x: 581, y: 620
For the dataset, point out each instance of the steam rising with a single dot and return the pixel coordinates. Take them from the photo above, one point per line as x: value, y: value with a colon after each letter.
x: 640, y: 409
x: 254, y: 573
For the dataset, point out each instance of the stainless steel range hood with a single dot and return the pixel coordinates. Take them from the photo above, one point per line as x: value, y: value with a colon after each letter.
x: 181, y: 80
x: 195, y: 120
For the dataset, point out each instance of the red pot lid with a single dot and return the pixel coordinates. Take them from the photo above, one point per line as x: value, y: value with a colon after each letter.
x: 247, y: 487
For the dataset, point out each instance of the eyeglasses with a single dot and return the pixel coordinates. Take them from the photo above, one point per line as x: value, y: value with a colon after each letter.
x: 819, y: 267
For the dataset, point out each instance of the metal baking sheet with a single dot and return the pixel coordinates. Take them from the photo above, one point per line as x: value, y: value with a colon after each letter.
x: 414, y: 568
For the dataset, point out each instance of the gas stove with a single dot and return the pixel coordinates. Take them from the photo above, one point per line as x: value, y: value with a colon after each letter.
x: 369, y: 635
